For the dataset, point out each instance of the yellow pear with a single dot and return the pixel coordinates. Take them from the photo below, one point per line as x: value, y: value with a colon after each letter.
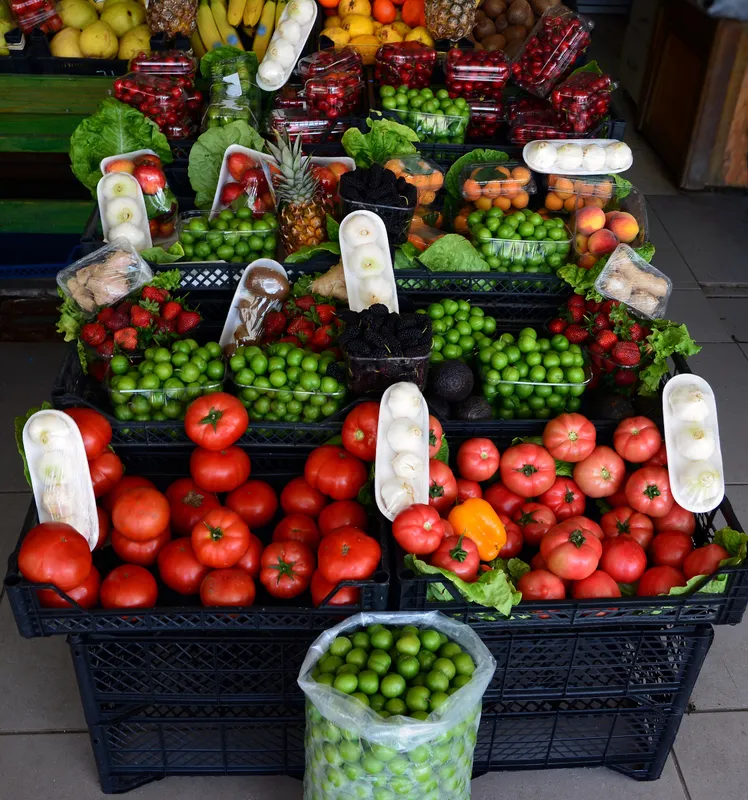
x: 98, y: 41
x: 358, y: 25
x: 420, y: 34
x: 348, y: 7
x: 387, y: 33
x: 65, y: 44
x: 376, y: 26
x: 138, y: 40
x: 108, y: 4
x: 76, y: 14
x: 401, y: 28
x: 332, y: 22
x: 337, y: 35
x: 367, y: 46
x: 123, y: 17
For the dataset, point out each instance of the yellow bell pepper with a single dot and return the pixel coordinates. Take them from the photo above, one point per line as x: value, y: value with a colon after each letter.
x: 478, y: 521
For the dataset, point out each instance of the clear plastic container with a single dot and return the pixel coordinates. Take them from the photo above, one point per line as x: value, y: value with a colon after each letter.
x: 166, y: 62
x: 301, y: 122
x: 290, y: 96
x: 377, y: 374
x: 583, y: 100
x: 629, y: 279
x: 408, y: 64
x: 476, y: 74
x: 244, y: 240
x: 235, y: 74
x: 440, y: 128
x: 426, y: 175
x: 486, y: 117
x: 448, y: 20
x: 323, y: 62
x: 161, y: 98
x: 517, y: 105
x: 488, y: 181
x: 396, y: 219
x: 223, y: 112
x: 334, y: 94
x: 567, y: 194
x: 30, y: 14
x: 588, y: 157
x: 557, y: 40
x: 527, y: 126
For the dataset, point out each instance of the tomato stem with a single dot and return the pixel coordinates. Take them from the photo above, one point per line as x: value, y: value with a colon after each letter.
x: 436, y: 491
x: 213, y: 417
x: 458, y: 553
x: 577, y: 538
x: 652, y: 491
x: 569, y: 496
x: 216, y: 534
x: 528, y: 470
x: 285, y: 568
x: 573, y: 436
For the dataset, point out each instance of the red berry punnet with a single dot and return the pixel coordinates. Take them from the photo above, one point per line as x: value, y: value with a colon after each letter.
x: 476, y: 74
x: 486, y: 117
x: 162, y: 98
x: 583, y: 100
x: 408, y: 64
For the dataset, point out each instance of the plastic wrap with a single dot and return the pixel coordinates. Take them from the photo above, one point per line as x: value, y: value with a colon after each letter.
x: 122, y: 210
x: 408, y: 64
x: 629, y: 279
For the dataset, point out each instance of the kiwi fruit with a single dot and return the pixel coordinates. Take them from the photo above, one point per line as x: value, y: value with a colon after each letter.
x: 520, y: 13
x: 511, y: 50
x: 500, y: 23
x: 539, y: 6
x: 484, y: 28
x: 492, y: 8
x: 494, y: 42
x: 515, y: 33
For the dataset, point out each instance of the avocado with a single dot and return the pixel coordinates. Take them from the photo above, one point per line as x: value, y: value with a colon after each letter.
x: 438, y: 406
x: 452, y: 381
x: 473, y: 409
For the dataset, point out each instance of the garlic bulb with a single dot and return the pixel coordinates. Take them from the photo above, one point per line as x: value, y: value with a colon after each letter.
x: 405, y: 401
x: 695, y: 442
x: 408, y: 465
x: 688, y: 403
x: 44, y: 429
x: 404, y: 434
x: 397, y: 495
x: 702, y: 485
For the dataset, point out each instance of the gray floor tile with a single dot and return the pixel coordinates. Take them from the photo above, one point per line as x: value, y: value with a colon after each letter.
x: 38, y: 690
x: 13, y: 508
x: 667, y: 257
x: 649, y: 174
x: 711, y: 750
x: 690, y: 306
x: 733, y: 314
x: 710, y: 231
x: 28, y: 373
x: 723, y: 682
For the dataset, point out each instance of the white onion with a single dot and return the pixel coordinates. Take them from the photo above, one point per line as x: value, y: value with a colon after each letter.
x: 58, y: 503
x: 542, y: 154
x: 569, y: 156
x: 376, y: 290
x: 695, y: 442
x: 593, y: 158
x: 404, y: 434
x: 702, y: 484
x: 397, y: 495
x: 408, y: 465
x: 617, y: 155
x: 44, y: 428
x: 51, y: 468
x: 405, y: 401
x: 688, y: 403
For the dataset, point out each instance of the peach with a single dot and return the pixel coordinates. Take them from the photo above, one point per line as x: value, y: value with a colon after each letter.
x: 602, y: 242
x: 581, y: 243
x: 590, y: 219
x: 609, y: 216
x: 624, y: 225
x: 120, y: 165
x: 586, y: 261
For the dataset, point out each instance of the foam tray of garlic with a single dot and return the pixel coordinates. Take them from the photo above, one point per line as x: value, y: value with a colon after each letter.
x: 578, y: 156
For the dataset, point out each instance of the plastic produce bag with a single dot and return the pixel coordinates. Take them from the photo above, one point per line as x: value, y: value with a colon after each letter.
x: 731, y: 9
x: 353, y: 752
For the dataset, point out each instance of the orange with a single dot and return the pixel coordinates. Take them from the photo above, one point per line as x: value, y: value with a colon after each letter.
x: 460, y: 224
x: 563, y: 187
x: 413, y: 11
x: 504, y: 171
x: 329, y: 3
x: 554, y: 202
x: 511, y: 188
x: 504, y: 203
x: 604, y: 189
x: 573, y: 202
x: 384, y: 11
x: 483, y: 203
x: 520, y: 200
x: 521, y: 175
x: 471, y: 190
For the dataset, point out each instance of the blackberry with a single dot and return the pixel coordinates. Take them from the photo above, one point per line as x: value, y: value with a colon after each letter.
x: 379, y: 310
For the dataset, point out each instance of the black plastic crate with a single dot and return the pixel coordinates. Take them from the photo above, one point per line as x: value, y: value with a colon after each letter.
x: 174, y: 612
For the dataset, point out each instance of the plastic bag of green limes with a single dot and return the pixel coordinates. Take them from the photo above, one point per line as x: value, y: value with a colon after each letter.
x: 393, y: 706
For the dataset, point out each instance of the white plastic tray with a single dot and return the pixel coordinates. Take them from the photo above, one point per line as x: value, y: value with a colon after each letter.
x: 385, y: 454
x: 604, y: 143
x: 139, y: 201
x: 129, y: 156
x: 353, y: 281
x: 67, y: 450
x: 678, y: 463
x: 306, y: 29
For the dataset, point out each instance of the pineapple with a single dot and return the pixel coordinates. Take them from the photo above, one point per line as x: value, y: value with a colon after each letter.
x: 450, y: 19
x: 303, y: 211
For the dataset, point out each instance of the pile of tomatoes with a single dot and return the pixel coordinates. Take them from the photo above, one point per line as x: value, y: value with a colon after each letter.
x: 197, y: 544
x: 644, y: 542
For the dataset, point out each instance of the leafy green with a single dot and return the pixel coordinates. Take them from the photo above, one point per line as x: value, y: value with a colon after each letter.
x: 590, y: 66
x: 72, y: 318
x: 169, y: 279
x: 333, y: 228
x: 623, y: 187
x: 666, y: 339
x: 157, y: 255
x: 515, y: 568
x: 18, y: 425
x: 206, y: 157
x: 493, y: 589
x: 405, y: 256
x: 736, y: 544
x: 309, y: 250
x: 453, y: 253
x: 646, y: 251
x: 443, y: 452
x: 386, y: 139
x: 225, y: 53
x: 113, y: 129
x: 480, y: 156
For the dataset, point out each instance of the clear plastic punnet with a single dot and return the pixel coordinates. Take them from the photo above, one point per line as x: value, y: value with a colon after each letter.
x: 583, y: 99
x: 302, y: 122
x: 229, y: 109
x: 476, y: 74
x: 153, y: 95
x: 408, y: 64
x: 629, y: 279
x: 323, y: 62
x: 351, y: 750
x: 489, y: 181
x: 486, y: 117
x: 434, y: 127
x: 30, y: 14
x: 334, y: 94
x: 166, y: 62
x: 426, y: 175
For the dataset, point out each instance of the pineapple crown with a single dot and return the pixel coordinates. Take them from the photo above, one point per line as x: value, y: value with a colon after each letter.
x: 296, y: 183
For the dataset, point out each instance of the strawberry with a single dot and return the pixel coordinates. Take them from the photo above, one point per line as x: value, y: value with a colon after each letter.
x: 575, y: 300
x: 576, y: 334
x: 574, y: 314
x: 166, y: 325
x: 106, y: 348
x: 93, y: 333
x: 125, y: 306
x: 187, y: 320
x: 117, y: 320
x: 599, y: 322
x: 126, y: 338
x: 305, y: 302
x: 322, y: 338
x: 105, y: 315
x: 155, y: 294
x: 592, y: 305
x: 325, y: 312
x: 606, y: 340
x: 624, y: 377
x: 626, y: 353
x: 291, y: 339
x: 275, y: 323
x: 636, y: 332
x: 140, y: 317
x: 557, y: 325
x: 608, y: 306
x: 300, y: 327
x: 171, y: 310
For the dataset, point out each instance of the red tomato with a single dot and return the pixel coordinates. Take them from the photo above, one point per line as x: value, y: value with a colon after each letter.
x: 538, y: 562
x: 534, y: 520
x: 94, y: 428
x: 359, y: 433
x: 56, y: 553
x: 188, y: 504
x: 220, y: 539
x: 659, y: 459
x: 573, y: 523
x: 467, y: 489
x: 141, y: 514
x: 570, y: 437
x: 501, y: 500
x: 320, y: 589
x: 458, y: 554
x: 103, y: 519
x: 286, y: 568
x: 623, y: 559
x: 670, y: 548
x: 250, y: 561
x: 564, y: 498
x: 636, y: 439
x: 348, y: 554
x: 442, y: 486
x: 142, y: 553
x: 514, y: 540
x: 86, y: 594
x: 677, y: 519
x: 340, y: 513
x: 648, y: 491
x: 478, y: 459
x: 601, y: 473
x: 255, y: 502
x: 106, y: 472
x: 436, y: 436
x: 127, y: 482
x: 298, y: 497
x: 704, y: 560
x: 539, y: 584
x: 179, y: 568
x: 624, y: 520
x: 221, y: 470
x: 215, y: 421
x: 448, y: 529
x: 227, y: 587
x: 335, y: 472
x: 599, y: 584
x: 659, y: 580
x: 129, y: 586
x: 571, y: 555
x: 618, y: 498
x: 418, y: 529
x: 298, y: 528
x: 527, y: 469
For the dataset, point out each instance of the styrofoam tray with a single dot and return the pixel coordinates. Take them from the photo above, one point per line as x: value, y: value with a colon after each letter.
x: 354, y: 282
x: 66, y: 493
x: 385, y: 454
x: 678, y: 464
x: 241, y: 293
x: 554, y: 168
x: 139, y: 202
x: 298, y: 47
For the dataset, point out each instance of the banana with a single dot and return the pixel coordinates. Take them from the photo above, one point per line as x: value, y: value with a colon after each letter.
x: 198, y: 48
x: 264, y: 30
x: 252, y: 12
x: 206, y: 27
x: 235, y: 11
x: 279, y: 9
x: 228, y: 32
x: 250, y: 31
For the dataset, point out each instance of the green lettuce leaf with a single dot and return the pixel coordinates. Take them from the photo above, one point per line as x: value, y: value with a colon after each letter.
x: 453, y: 253
x: 308, y: 250
x: 18, y: 425
x: 169, y: 279
x: 493, y: 589
x: 443, y: 452
x: 736, y: 544
x: 157, y: 255
x: 72, y: 318
x: 386, y: 139
x: 333, y: 228
x: 666, y: 339
x: 590, y: 66
x: 113, y: 129
x: 623, y: 187
x: 515, y: 568
x: 206, y: 157
x: 405, y: 256
x: 225, y: 53
x: 480, y: 156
